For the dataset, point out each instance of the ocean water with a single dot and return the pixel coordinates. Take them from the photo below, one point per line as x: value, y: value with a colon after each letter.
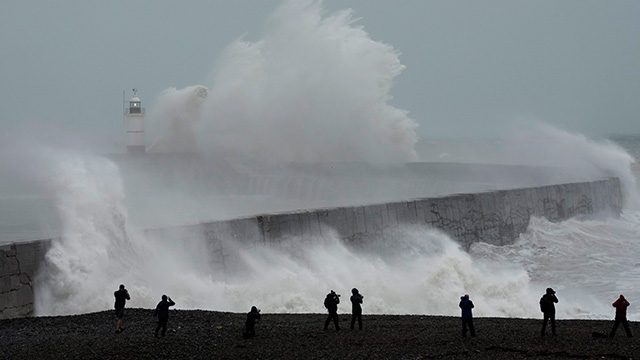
x: 588, y: 263
x: 314, y: 88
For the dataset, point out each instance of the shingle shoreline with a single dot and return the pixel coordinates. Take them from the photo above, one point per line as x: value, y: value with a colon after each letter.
x: 197, y: 334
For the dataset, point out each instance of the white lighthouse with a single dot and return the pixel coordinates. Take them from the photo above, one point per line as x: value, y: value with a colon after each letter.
x: 134, y: 124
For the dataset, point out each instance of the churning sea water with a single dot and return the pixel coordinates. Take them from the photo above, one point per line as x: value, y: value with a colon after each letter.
x: 257, y: 109
x: 589, y: 263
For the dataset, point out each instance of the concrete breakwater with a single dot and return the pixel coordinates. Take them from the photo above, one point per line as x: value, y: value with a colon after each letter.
x: 19, y: 265
x: 496, y: 217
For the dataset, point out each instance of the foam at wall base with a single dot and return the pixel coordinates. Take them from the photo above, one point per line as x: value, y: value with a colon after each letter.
x: 497, y: 217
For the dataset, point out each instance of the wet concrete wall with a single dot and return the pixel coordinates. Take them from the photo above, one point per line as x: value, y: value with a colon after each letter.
x: 18, y: 268
x: 496, y: 217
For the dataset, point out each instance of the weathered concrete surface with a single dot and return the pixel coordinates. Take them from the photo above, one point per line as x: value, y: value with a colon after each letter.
x: 18, y: 267
x: 497, y: 217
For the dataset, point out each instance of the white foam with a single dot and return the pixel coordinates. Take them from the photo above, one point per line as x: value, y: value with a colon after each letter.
x: 313, y: 87
x: 589, y: 263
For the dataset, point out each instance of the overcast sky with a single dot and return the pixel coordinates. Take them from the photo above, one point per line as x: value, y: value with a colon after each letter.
x: 471, y: 66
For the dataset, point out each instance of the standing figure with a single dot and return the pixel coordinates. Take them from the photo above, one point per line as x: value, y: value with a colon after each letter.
x: 548, y: 308
x: 331, y: 303
x: 121, y: 295
x: 249, y: 326
x: 162, y: 312
x: 356, y: 308
x: 621, y: 316
x: 467, y: 317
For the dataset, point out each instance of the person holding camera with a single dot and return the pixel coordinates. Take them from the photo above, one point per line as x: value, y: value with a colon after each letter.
x: 121, y: 295
x: 331, y: 303
x: 548, y: 308
x: 621, y: 306
x: 467, y: 316
x: 249, y: 326
x: 162, y: 312
x: 356, y: 308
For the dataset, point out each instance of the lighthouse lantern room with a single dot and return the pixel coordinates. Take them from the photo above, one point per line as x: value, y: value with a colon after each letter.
x: 134, y: 124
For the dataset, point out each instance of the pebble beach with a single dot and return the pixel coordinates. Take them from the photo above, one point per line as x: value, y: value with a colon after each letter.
x: 197, y: 334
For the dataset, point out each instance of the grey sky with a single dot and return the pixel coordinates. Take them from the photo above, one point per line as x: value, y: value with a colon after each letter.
x: 471, y: 66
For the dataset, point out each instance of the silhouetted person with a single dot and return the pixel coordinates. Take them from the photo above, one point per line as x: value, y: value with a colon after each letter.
x: 162, y: 312
x: 249, y: 326
x: 621, y: 316
x: 467, y: 317
x: 121, y: 295
x: 331, y: 303
x: 548, y: 308
x: 356, y: 308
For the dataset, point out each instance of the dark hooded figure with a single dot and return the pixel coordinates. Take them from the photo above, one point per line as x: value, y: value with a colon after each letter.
x: 549, y: 310
x: 356, y: 308
x: 331, y: 303
x: 621, y: 316
x: 162, y: 312
x: 249, y: 326
x: 121, y: 295
x: 467, y: 317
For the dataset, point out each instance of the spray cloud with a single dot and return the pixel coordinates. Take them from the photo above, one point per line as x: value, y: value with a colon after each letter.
x: 539, y: 144
x: 178, y: 111
x: 315, y: 87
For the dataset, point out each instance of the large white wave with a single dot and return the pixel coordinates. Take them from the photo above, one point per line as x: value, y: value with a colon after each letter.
x: 424, y: 271
x: 589, y: 263
x: 314, y: 87
x: 420, y: 271
x: 538, y: 144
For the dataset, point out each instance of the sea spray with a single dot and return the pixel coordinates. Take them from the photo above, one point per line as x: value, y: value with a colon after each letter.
x: 408, y: 270
x: 88, y: 192
x: 177, y: 111
x: 582, y: 158
x: 589, y: 263
x: 413, y: 271
x: 314, y: 87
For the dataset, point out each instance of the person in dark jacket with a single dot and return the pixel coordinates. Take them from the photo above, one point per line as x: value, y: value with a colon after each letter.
x: 356, y: 308
x: 331, y: 303
x: 621, y: 306
x: 121, y: 295
x: 162, y: 312
x: 249, y: 326
x: 467, y: 317
x: 548, y: 308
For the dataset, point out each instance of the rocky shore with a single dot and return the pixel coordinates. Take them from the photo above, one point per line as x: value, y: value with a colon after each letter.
x: 196, y: 334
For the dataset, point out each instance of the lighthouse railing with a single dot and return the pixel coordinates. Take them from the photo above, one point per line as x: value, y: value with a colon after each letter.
x: 133, y: 111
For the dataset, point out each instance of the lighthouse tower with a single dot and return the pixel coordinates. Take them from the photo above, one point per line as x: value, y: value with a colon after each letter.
x: 134, y: 124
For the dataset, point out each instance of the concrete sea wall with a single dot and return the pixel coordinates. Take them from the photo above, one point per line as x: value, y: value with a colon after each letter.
x: 496, y: 217
x: 18, y: 268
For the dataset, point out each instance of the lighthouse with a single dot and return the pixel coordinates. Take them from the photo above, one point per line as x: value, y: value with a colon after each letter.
x: 134, y: 123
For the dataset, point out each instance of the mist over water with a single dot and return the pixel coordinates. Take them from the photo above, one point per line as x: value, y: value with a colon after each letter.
x: 539, y: 144
x: 416, y: 271
x: 177, y: 111
x: 98, y: 250
x: 589, y: 263
x: 315, y: 88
